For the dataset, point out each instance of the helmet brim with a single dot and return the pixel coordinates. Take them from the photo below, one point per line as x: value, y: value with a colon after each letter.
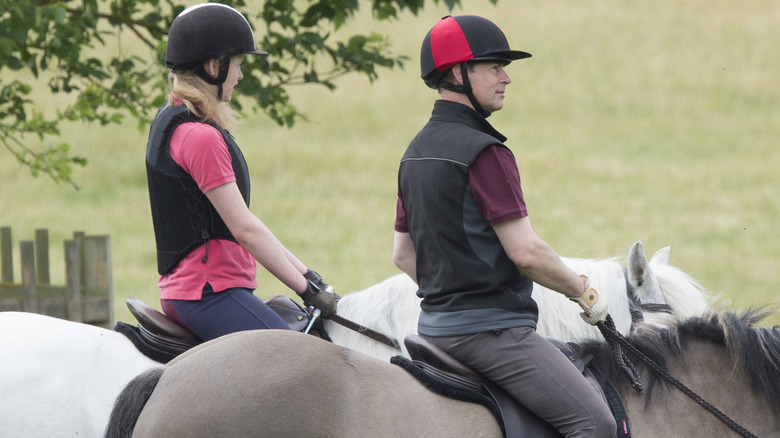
x: 507, y: 57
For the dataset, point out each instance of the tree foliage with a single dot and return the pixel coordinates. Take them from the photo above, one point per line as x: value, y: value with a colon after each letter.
x: 74, y: 48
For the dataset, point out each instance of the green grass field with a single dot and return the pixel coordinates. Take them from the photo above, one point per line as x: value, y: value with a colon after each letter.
x: 656, y: 122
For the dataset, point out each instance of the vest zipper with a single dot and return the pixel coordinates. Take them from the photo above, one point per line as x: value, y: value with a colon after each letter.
x: 205, y: 235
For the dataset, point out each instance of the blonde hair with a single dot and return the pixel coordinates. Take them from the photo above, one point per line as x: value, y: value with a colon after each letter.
x: 199, y: 98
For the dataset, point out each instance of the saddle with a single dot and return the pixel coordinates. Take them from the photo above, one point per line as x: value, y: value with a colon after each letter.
x: 160, y: 338
x: 442, y: 373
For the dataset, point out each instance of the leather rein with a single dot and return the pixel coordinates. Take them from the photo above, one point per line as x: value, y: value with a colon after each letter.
x: 363, y: 330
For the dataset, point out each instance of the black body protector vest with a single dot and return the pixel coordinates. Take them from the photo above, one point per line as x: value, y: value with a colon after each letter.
x: 182, y: 215
x: 466, y: 280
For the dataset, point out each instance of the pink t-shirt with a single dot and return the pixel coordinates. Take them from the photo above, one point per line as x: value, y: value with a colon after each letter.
x: 495, y: 182
x: 201, y: 151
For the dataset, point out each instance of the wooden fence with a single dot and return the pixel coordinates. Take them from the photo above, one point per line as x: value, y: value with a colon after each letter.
x: 87, y: 295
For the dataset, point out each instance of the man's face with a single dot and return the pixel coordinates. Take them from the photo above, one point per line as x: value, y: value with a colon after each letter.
x: 488, y: 83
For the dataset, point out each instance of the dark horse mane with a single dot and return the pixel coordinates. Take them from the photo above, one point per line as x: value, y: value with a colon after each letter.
x: 755, y: 349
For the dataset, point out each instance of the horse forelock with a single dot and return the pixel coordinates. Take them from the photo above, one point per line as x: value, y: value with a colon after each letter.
x: 755, y: 349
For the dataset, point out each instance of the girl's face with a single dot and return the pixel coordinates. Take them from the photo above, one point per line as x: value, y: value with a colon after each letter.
x: 234, y: 75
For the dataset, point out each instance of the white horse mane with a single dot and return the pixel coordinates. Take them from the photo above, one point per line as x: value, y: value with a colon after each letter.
x: 390, y: 307
x: 685, y: 296
x: 559, y: 317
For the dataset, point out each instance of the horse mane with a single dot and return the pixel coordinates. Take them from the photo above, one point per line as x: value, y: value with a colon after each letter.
x: 385, y: 307
x: 755, y: 349
x: 685, y: 296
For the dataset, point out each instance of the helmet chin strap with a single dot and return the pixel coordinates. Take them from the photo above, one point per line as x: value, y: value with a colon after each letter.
x: 224, y: 66
x: 466, y: 89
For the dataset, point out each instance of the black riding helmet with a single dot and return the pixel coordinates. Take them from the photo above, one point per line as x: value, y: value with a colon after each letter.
x: 208, y: 31
x: 459, y: 40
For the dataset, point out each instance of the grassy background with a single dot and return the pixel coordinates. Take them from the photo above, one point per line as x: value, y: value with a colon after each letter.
x: 656, y: 122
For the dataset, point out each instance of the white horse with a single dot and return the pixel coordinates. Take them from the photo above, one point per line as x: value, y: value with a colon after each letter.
x: 392, y: 306
x: 59, y: 378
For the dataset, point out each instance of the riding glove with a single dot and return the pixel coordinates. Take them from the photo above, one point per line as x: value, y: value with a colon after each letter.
x: 594, y: 305
x: 319, y: 294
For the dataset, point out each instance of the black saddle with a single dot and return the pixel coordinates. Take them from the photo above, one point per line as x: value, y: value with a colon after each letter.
x: 161, y: 338
x: 445, y: 375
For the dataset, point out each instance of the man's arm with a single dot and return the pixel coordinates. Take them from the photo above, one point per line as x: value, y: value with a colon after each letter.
x: 536, y: 259
x: 404, y: 255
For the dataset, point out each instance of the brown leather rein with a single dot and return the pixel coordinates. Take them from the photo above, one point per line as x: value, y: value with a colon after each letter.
x: 373, y: 334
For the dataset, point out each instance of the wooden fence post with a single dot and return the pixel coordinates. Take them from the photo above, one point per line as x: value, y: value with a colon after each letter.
x: 29, y: 287
x: 87, y: 295
x: 97, y: 286
x: 73, y: 280
x: 42, y: 256
x: 6, y: 256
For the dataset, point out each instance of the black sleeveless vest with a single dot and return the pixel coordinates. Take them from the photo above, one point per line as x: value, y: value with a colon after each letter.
x: 182, y: 215
x: 465, y: 277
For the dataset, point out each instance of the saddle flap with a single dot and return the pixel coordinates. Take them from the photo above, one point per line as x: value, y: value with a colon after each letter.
x: 157, y: 323
x: 291, y: 312
x: 516, y: 420
x: 423, y: 350
x: 573, y: 352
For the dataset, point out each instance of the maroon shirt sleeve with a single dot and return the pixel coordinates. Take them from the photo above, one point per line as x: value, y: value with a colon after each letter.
x: 400, y: 217
x: 495, y: 182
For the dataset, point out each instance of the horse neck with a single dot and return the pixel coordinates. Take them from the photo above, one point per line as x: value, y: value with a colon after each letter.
x: 710, y: 372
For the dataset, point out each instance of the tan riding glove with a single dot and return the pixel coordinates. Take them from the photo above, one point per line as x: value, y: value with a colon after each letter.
x: 594, y: 306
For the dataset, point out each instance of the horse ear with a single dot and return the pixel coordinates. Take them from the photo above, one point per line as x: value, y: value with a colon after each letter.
x: 641, y: 276
x: 636, y: 264
x: 661, y: 257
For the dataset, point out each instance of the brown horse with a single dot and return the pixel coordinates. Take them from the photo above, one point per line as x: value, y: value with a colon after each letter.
x: 281, y: 384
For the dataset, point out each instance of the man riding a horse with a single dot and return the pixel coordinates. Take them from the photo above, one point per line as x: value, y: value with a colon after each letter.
x: 463, y: 234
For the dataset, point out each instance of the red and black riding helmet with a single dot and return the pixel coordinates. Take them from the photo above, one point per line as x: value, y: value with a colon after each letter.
x: 460, y: 40
x: 463, y: 38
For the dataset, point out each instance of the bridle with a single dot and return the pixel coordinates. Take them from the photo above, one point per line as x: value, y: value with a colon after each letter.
x: 638, y: 308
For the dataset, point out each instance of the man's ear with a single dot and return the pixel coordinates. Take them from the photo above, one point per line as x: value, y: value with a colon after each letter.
x: 457, y: 74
